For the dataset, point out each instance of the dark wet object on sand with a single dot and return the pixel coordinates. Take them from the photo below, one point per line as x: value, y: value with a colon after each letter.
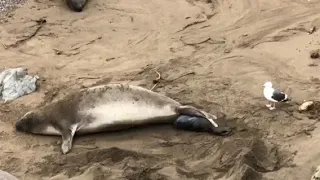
x: 199, y: 124
x: 76, y: 5
x: 6, y: 176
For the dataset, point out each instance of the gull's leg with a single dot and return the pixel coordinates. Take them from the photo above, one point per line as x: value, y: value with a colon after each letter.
x: 273, y: 107
x: 269, y: 104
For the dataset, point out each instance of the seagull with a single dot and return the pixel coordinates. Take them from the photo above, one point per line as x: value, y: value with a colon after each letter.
x: 274, y: 95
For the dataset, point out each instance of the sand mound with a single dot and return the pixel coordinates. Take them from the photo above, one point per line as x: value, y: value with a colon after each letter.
x: 214, y: 55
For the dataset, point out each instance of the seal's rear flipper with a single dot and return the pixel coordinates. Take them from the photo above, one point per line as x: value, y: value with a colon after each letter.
x: 200, y: 124
x: 192, y: 111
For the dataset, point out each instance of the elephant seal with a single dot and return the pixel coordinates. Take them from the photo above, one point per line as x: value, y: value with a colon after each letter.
x: 6, y: 176
x: 109, y: 107
x: 76, y: 5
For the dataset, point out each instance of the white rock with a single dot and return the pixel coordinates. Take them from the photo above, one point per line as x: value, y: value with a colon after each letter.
x: 305, y: 105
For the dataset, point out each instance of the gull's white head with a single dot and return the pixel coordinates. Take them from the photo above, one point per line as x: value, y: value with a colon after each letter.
x: 267, y: 84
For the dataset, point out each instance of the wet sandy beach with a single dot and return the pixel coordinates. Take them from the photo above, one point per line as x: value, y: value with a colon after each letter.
x: 211, y: 54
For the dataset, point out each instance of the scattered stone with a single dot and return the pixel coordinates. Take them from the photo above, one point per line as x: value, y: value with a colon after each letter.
x: 312, y: 30
x: 15, y: 82
x: 227, y: 50
x: 57, y: 51
x: 314, y: 54
x: 307, y: 105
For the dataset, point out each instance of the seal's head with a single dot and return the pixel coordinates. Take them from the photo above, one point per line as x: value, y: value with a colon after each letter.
x: 76, y: 5
x: 29, y: 123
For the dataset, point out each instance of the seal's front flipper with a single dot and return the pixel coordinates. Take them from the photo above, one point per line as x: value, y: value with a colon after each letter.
x: 192, y: 123
x: 67, y: 138
x: 199, y: 124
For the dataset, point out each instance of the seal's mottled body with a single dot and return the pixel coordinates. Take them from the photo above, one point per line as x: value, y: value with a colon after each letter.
x: 106, y: 108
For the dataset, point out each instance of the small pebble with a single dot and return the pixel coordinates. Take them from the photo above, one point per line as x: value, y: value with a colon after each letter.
x: 227, y: 50
x: 306, y: 105
x: 312, y: 30
x: 314, y: 54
